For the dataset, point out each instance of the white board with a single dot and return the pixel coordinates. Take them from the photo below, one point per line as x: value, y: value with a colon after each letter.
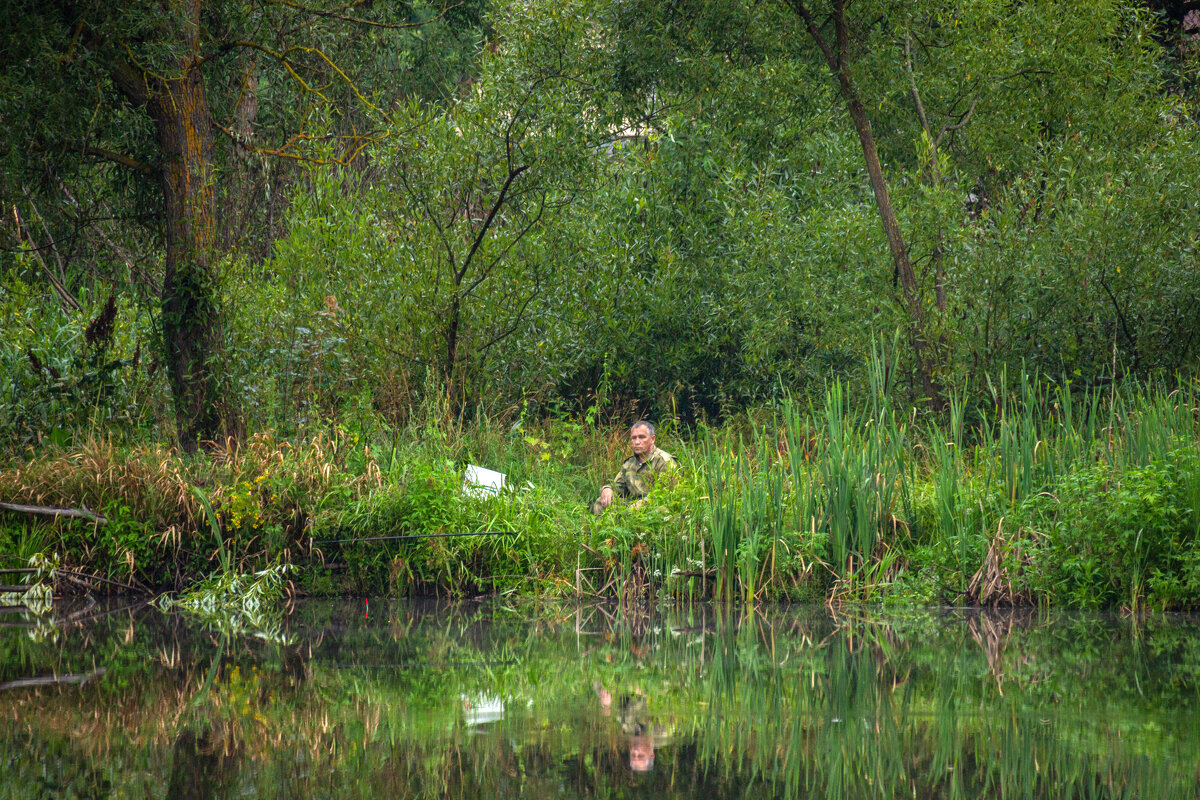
x: 482, y: 482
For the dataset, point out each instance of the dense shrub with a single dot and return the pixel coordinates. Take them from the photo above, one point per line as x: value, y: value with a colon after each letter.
x: 1106, y: 537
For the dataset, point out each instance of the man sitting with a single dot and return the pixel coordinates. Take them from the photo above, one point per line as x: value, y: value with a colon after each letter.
x: 637, y: 472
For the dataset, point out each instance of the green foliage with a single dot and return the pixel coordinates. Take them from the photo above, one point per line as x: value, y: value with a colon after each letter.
x: 1107, y: 538
x: 237, y: 604
x: 62, y: 371
x: 699, y: 242
x: 573, y: 214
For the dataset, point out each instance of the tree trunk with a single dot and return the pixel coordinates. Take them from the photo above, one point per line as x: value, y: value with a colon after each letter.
x: 191, y: 323
x: 454, y: 319
x: 244, y: 183
x: 910, y: 289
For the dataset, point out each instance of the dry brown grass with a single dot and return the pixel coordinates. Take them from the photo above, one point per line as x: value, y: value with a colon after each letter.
x: 261, y: 483
x: 152, y: 481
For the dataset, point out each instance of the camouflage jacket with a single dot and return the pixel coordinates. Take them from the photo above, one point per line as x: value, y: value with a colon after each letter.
x: 635, y: 478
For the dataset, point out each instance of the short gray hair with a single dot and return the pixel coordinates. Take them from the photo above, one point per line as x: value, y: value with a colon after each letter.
x: 641, y: 423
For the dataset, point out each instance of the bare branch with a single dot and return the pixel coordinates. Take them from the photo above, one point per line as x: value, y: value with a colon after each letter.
x: 962, y: 120
x: 284, y: 58
x: 431, y: 216
x: 48, y: 511
x: 53, y: 680
x: 119, y: 158
x: 507, y: 331
x: 65, y: 297
x: 357, y: 143
x: 483, y: 273
x: 912, y: 83
x: 487, y: 223
x: 1120, y: 319
x: 93, y: 225
x: 1019, y: 73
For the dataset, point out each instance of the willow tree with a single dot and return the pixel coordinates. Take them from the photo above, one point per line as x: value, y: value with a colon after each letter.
x: 835, y: 49
x: 150, y: 94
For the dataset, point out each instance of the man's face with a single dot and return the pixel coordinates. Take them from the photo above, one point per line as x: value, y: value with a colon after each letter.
x: 642, y: 441
x: 641, y: 753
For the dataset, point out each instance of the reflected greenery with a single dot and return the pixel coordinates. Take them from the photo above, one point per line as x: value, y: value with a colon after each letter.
x: 398, y: 699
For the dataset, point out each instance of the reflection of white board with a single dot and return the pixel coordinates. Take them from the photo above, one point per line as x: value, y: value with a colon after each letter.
x: 482, y: 482
x: 480, y: 709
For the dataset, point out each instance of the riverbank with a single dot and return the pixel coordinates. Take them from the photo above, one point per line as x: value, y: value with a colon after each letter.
x: 1044, y: 496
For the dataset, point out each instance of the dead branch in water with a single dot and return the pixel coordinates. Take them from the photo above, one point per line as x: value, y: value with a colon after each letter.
x: 48, y: 511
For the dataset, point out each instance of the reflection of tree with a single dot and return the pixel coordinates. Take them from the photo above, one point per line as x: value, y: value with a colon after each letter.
x: 200, y: 766
x: 789, y: 704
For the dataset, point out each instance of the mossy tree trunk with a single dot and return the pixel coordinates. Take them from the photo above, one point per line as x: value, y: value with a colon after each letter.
x: 192, y: 332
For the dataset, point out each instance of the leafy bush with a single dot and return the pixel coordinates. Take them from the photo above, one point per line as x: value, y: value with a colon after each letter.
x: 63, y: 370
x: 1104, y: 537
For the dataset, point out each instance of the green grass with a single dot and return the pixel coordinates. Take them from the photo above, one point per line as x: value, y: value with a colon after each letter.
x: 1080, y: 498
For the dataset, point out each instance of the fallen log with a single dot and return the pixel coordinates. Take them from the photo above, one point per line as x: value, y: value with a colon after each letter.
x: 48, y: 511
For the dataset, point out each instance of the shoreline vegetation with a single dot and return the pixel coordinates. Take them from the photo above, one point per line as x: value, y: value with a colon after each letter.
x: 1047, y: 494
x: 910, y: 289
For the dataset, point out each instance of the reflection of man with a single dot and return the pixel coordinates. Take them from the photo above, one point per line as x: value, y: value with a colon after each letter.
x: 641, y: 752
x: 631, y: 714
x: 637, y: 472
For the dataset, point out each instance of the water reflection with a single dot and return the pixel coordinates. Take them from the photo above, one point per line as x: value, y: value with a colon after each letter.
x: 482, y: 700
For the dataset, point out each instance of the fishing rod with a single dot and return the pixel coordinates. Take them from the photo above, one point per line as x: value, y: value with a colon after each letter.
x: 413, y: 536
x: 425, y: 664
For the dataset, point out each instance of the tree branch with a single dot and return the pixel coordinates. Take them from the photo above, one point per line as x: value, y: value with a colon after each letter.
x: 529, y: 224
x: 358, y: 142
x: 129, y: 82
x: 1120, y: 319
x: 53, y: 680
x: 284, y: 58
x: 963, y: 120
x: 119, y: 158
x: 64, y: 296
x: 78, y: 513
x: 912, y: 84
x: 429, y: 214
x: 336, y: 14
x: 513, y: 174
x: 815, y: 32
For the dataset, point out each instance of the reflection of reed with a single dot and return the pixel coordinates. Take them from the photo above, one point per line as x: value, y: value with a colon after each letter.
x: 853, y: 730
x: 788, y: 704
x: 991, y: 630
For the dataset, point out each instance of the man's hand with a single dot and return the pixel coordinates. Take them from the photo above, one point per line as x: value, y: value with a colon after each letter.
x: 606, y: 497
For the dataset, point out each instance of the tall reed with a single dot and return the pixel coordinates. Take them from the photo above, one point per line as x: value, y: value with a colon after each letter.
x: 860, y: 464
x: 948, y: 474
x: 1014, y: 439
x: 747, y: 497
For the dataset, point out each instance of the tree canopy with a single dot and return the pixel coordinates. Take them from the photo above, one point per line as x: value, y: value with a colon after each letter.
x: 685, y: 206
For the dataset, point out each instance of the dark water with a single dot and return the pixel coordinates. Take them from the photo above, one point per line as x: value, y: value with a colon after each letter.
x: 403, y: 700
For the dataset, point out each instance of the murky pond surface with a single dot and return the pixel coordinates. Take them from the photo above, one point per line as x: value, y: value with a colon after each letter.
x: 393, y: 699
